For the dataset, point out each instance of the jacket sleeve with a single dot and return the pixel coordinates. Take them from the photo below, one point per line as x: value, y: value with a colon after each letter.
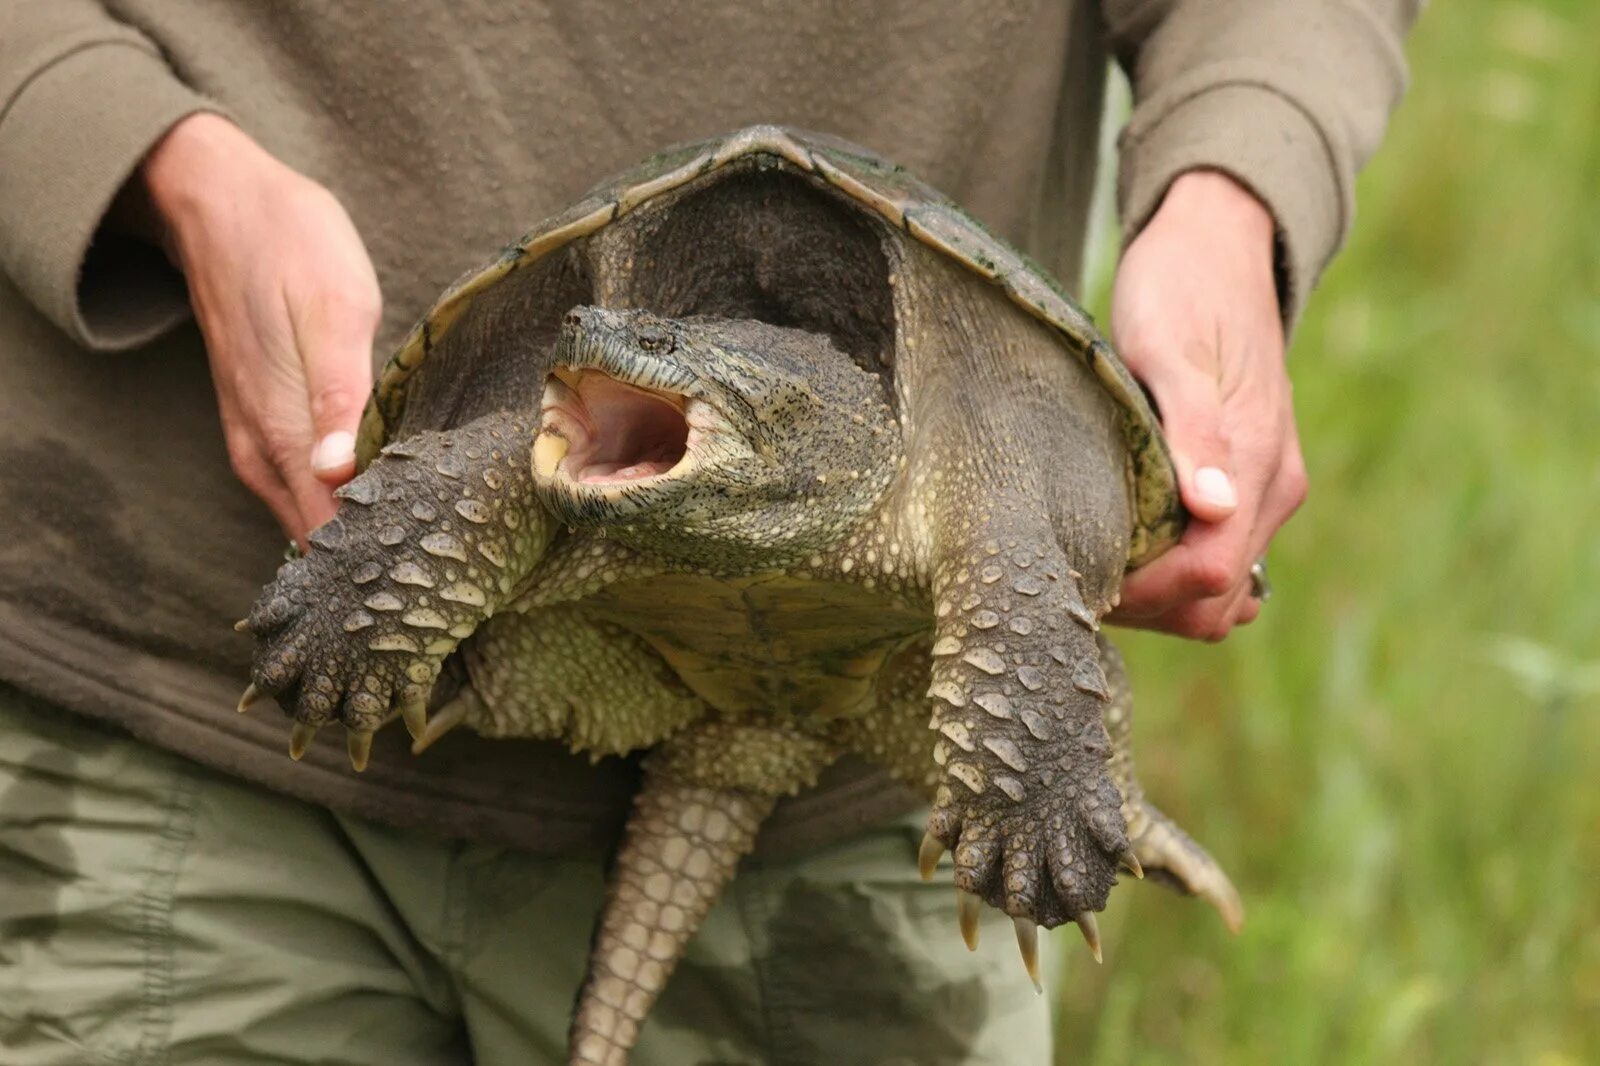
x: 83, y: 97
x: 1289, y: 97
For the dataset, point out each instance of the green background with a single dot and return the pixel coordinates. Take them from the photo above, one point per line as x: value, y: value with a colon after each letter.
x: 1399, y: 763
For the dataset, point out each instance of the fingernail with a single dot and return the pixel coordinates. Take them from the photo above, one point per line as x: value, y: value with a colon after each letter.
x: 336, y: 450
x: 1214, y: 486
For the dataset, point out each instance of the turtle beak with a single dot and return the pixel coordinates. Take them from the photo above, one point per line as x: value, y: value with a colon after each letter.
x: 599, y: 432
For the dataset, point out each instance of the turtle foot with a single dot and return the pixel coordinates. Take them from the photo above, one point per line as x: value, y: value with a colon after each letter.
x: 328, y: 656
x: 1044, y: 864
x: 428, y: 541
x: 1026, y: 802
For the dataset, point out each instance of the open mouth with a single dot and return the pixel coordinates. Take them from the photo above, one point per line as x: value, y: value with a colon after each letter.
x: 597, y: 430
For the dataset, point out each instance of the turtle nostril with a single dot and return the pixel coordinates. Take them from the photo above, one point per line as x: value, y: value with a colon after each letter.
x: 572, y: 318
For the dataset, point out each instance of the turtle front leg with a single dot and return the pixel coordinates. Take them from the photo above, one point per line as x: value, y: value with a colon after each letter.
x: 1025, y: 803
x: 1019, y: 463
x: 432, y: 539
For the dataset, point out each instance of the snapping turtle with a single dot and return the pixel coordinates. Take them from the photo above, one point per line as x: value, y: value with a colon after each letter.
x: 761, y: 454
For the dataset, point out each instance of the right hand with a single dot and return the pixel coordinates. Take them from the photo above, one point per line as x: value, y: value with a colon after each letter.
x: 288, y: 304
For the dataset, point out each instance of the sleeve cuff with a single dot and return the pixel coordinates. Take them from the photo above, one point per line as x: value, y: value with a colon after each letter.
x: 1262, y: 139
x: 69, y: 139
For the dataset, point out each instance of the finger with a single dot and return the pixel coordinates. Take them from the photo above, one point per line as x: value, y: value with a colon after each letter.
x: 1191, y: 587
x: 314, y: 502
x: 1190, y: 401
x: 1248, y: 609
x: 1286, y: 493
x: 1281, y: 499
x: 267, y: 444
x: 1213, y: 559
x: 335, y: 342
x: 284, y: 507
x: 1209, y: 562
x: 1212, y: 617
x: 267, y: 460
x: 258, y: 474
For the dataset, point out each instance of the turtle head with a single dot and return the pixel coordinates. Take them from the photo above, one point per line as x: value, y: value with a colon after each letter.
x: 709, y: 439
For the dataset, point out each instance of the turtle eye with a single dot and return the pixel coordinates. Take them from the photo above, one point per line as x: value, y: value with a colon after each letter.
x: 655, y: 339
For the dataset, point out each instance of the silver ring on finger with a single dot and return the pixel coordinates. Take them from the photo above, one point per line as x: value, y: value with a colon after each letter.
x: 1260, y: 587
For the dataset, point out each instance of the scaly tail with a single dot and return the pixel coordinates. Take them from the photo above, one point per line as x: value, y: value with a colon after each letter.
x: 705, y: 794
x: 682, y: 846
x: 1162, y: 849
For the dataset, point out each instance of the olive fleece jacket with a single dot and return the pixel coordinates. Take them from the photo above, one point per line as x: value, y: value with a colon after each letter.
x: 447, y: 128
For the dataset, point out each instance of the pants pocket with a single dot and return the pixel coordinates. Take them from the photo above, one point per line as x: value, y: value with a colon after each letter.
x: 93, y: 830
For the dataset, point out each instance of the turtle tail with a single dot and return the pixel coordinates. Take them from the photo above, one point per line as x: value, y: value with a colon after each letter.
x: 682, y: 845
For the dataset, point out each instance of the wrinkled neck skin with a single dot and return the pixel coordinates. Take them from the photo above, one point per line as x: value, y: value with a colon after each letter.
x: 722, y: 446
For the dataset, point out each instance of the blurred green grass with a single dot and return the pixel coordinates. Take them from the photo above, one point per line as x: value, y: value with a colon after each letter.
x: 1400, y: 762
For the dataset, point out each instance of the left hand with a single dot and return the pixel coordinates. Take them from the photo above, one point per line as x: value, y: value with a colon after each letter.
x: 1194, y: 311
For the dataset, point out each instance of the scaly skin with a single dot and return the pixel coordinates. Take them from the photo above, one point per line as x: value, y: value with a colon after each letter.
x: 895, y: 735
x: 1033, y: 819
x: 564, y: 674
x: 1015, y: 461
x: 705, y: 794
x: 431, y: 541
x: 682, y: 845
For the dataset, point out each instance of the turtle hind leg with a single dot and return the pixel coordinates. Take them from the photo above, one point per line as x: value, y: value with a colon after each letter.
x: 1164, y: 852
x: 557, y: 673
x: 1170, y: 856
x: 705, y: 793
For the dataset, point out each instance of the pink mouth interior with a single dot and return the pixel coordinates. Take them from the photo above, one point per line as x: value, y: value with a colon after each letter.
x: 631, y: 433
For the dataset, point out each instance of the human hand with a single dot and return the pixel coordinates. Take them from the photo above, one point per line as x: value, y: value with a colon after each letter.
x: 1194, y: 310
x: 288, y: 304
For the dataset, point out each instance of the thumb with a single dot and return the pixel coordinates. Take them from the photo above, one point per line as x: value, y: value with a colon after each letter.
x: 338, y: 362
x: 1192, y: 418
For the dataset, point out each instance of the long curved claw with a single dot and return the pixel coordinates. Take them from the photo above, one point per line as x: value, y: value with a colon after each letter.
x: 450, y: 715
x: 968, y: 908
x: 928, y: 855
x: 1215, y: 888
x: 250, y: 695
x: 1028, y: 944
x: 415, y: 715
x: 359, y: 745
x: 1226, y: 899
x: 242, y: 626
x: 1091, y: 932
x: 1130, y: 862
x: 300, y: 738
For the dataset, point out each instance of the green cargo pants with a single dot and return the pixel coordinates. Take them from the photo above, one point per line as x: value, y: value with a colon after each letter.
x: 154, y: 911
